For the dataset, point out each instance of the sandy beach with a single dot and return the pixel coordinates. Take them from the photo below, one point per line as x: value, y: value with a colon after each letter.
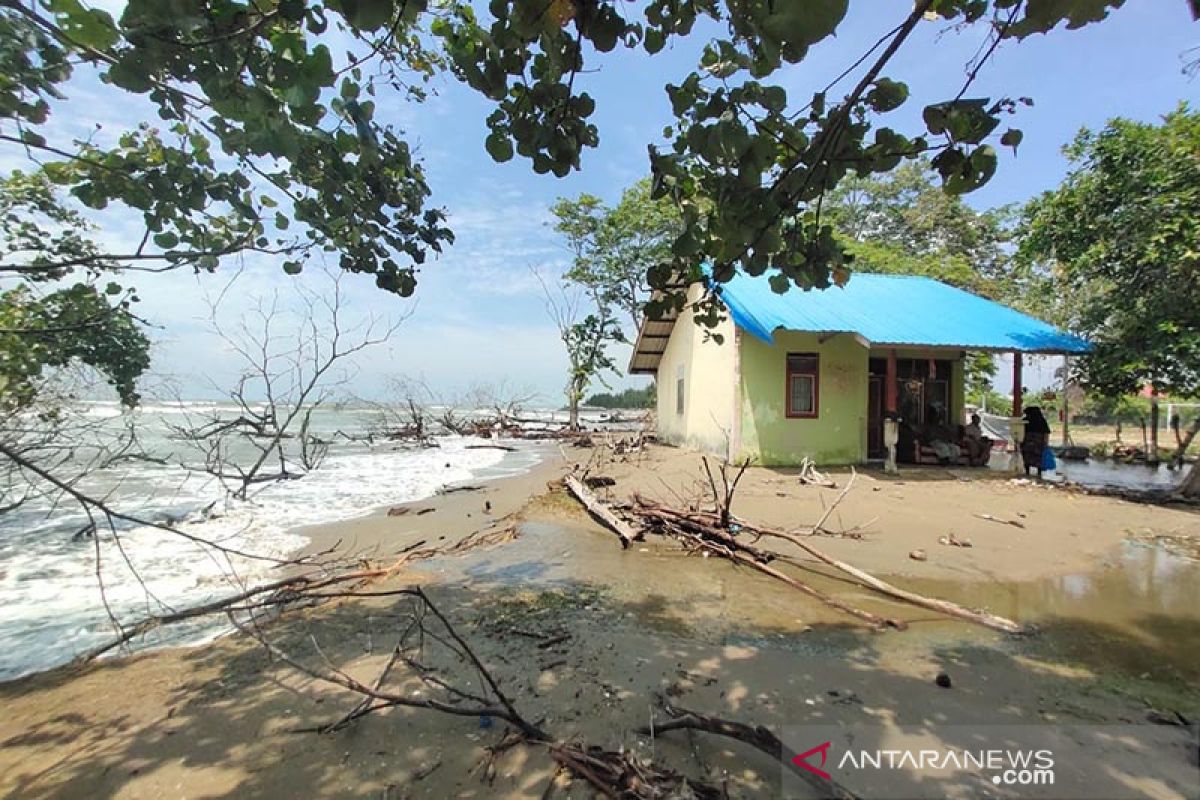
x: 585, y: 637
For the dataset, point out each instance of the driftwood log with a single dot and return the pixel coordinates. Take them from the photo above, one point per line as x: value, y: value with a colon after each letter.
x: 601, y: 511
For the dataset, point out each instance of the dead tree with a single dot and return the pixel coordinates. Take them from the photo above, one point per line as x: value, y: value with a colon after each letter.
x: 293, y: 359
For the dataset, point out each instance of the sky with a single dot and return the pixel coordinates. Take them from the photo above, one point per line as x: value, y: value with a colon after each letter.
x: 478, y: 315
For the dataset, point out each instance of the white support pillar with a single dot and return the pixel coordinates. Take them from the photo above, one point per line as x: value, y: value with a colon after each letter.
x: 891, y: 435
x: 1017, y: 434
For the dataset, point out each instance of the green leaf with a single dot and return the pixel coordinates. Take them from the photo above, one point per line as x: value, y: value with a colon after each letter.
x: 779, y: 283
x: 292, y: 267
x: 655, y: 40
x: 499, y: 147
x: 292, y: 10
x: 368, y: 15
x: 319, y: 66
x: 89, y: 27
x: 961, y: 120
x: 166, y: 240
x: 887, y: 95
x: 33, y: 138
x: 1012, y: 138
x: 129, y: 74
x: 804, y: 23
x: 774, y: 98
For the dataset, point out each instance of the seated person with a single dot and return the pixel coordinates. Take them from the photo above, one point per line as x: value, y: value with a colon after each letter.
x: 941, y: 440
x: 978, y: 446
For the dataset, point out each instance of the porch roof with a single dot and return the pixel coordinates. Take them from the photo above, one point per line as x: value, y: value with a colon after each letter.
x: 895, y: 311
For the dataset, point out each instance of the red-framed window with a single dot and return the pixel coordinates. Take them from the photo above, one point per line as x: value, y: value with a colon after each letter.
x: 803, y: 385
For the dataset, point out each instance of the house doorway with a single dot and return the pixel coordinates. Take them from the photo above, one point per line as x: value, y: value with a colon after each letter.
x: 922, y: 400
x: 875, y: 448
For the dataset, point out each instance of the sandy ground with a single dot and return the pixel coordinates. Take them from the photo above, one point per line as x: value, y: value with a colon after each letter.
x: 585, y: 636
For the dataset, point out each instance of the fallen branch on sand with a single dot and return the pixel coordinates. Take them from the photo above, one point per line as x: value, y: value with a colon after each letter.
x: 811, y: 476
x: 325, y: 582
x: 601, y: 511
x: 464, y: 488
x: 1016, y: 523
x: 756, y: 736
x: 709, y: 532
x: 613, y: 774
x: 709, y: 538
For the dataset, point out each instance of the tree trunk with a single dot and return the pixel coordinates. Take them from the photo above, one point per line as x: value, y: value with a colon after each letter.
x: 1191, y: 482
x: 573, y: 411
x: 1152, y: 453
x: 1185, y: 441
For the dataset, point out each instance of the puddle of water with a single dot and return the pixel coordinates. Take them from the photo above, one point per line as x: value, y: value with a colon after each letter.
x: 1115, y: 474
x: 1136, y: 613
x: 1105, y: 473
x: 654, y: 582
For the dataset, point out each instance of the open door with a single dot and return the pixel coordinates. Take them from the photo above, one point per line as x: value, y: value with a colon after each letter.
x: 875, y: 447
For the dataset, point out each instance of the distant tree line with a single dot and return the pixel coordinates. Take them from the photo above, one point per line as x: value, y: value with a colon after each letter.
x: 630, y: 398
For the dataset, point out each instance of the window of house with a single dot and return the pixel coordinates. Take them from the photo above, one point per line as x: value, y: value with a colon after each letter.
x: 679, y: 389
x: 803, y: 385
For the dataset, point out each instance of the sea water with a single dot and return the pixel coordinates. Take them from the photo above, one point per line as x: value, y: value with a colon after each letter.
x: 53, y: 599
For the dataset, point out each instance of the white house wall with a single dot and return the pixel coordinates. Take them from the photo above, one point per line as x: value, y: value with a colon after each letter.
x: 709, y: 373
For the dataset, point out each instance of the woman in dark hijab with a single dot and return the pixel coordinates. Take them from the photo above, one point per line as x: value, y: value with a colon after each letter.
x: 1037, y: 438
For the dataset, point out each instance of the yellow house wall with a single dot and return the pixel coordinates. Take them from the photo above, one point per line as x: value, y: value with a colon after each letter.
x: 708, y: 375
x: 838, y: 435
x: 735, y: 395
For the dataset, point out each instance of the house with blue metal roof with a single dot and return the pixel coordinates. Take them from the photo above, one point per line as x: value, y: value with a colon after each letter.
x: 815, y: 374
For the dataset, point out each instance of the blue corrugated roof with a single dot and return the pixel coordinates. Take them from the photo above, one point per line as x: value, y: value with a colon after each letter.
x: 894, y: 310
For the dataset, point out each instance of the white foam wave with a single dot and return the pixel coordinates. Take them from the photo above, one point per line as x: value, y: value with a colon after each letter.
x: 48, y: 584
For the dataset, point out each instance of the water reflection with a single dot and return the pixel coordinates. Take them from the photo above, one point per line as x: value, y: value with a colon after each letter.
x: 1105, y: 473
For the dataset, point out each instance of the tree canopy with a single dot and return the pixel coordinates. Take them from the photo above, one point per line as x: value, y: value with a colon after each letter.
x: 1122, y: 247
x: 615, y: 247
x: 904, y: 223
x: 268, y: 139
x: 46, y: 322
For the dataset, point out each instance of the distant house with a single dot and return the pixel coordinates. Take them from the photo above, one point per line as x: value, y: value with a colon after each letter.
x: 814, y: 374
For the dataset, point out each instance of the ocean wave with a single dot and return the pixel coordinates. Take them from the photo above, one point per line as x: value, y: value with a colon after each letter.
x: 54, y: 609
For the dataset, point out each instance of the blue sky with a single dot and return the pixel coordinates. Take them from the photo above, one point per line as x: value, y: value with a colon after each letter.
x: 478, y: 315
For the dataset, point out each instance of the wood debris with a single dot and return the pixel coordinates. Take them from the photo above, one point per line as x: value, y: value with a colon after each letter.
x: 1016, y: 523
x: 716, y: 533
x: 811, y: 476
x: 601, y: 511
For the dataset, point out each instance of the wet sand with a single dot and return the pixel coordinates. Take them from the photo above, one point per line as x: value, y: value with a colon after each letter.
x: 1119, y: 636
